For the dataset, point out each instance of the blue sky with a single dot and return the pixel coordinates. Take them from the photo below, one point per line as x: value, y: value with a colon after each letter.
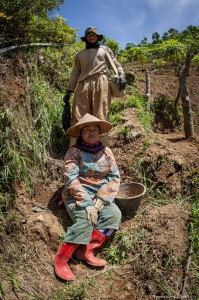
x: 128, y: 21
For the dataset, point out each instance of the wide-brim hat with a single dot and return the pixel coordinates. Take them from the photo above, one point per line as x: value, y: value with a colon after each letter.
x: 88, y: 119
x: 94, y: 30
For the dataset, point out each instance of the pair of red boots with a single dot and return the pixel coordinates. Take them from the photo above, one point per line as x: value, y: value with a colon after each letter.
x: 84, y: 252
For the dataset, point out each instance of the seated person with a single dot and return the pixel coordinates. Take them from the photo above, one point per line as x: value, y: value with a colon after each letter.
x: 92, y: 182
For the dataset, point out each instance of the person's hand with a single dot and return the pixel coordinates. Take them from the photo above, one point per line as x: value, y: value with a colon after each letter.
x: 121, y: 81
x: 66, y: 97
x: 98, y: 204
x: 91, y: 212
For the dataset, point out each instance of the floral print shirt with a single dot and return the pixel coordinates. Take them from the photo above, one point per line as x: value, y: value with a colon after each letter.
x: 90, y: 175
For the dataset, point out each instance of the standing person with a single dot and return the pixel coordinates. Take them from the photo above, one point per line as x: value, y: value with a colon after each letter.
x: 92, y: 182
x: 89, y: 79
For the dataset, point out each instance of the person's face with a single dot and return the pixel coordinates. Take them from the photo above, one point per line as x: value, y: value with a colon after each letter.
x: 91, y: 134
x: 92, y: 37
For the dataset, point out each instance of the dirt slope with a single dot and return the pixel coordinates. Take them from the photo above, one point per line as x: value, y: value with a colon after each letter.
x: 155, y: 259
x: 157, y: 242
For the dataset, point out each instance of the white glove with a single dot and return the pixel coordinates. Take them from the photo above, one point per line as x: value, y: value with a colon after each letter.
x: 98, y: 204
x: 92, y: 213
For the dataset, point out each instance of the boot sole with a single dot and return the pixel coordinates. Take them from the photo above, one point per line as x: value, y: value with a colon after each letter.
x: 95, y: 265
x: 92, y: 264
x: 64, y: 278
x: 68, y: 279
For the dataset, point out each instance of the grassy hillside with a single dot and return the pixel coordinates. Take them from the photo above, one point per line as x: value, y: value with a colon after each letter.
x: 149, y: 255
x: 154, y: 254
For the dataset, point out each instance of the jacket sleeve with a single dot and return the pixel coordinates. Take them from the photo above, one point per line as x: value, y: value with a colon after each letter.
x: 73, y: 185
x: 109, y: 190
x: 117, y: 64
x: 72, y: 83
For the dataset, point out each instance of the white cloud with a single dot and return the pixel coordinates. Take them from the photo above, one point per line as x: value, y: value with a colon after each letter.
x: 156, y: 4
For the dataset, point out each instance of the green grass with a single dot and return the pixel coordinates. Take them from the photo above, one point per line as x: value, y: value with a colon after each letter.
x: 121, y: 247
x: 73, y: 291
x: 25, y: 143
x: 115, y: 118
x: 138, y: 102
x: 166, y: 113
x: 193, y: 225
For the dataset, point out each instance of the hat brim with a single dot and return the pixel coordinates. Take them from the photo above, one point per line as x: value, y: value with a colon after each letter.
x: 75, y: 130
x: 100, y: 36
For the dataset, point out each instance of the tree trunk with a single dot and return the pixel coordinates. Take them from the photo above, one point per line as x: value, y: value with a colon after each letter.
x: 177, y: 98
x: 148, y: 89
x: 186, y: 104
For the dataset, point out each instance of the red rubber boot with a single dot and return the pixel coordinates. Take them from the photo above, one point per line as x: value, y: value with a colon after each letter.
x: 85, y: 252
x: 62, y: 256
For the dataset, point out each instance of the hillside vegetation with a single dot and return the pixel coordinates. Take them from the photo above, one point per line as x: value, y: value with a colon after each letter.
x: 154, y: 254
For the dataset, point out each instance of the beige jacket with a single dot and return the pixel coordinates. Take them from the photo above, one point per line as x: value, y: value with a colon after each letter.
x: 90, y: 62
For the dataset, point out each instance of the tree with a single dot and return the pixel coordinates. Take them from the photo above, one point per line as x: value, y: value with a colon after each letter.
x: 144, y: 41
x: 113, y: 45
x: 17, y: 15
x: 165, y: 36
x: 148, y: 88
x: 129, y: 45
x: 155, y: 37
x: 173, y: 33
x: 196, y: 60
x: 172, y: 50
x: 190, y: 33
x: 138, y: 54
x: 186, y: 103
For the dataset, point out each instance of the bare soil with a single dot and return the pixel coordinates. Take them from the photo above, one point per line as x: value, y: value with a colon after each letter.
x: 156, y: 263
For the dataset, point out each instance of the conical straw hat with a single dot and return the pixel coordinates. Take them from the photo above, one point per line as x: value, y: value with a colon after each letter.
x: 88, y: 119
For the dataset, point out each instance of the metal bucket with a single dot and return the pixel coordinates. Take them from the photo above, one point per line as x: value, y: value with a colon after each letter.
x: 129, y: 198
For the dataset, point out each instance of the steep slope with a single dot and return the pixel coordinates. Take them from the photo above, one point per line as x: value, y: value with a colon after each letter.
x: 147, y: 256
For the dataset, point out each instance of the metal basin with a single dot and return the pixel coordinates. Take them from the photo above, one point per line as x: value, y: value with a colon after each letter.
x: 129, y: 198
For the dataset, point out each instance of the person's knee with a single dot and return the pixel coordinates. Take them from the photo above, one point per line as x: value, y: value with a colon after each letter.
x: 114, y: 215
x: 117, y: 214
x: 116, y: 209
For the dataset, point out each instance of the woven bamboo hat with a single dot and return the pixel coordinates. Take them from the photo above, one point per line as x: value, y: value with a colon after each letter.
x: 88, y: 119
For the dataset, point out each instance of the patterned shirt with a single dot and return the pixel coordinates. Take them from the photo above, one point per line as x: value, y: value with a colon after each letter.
x: 90, y: 175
